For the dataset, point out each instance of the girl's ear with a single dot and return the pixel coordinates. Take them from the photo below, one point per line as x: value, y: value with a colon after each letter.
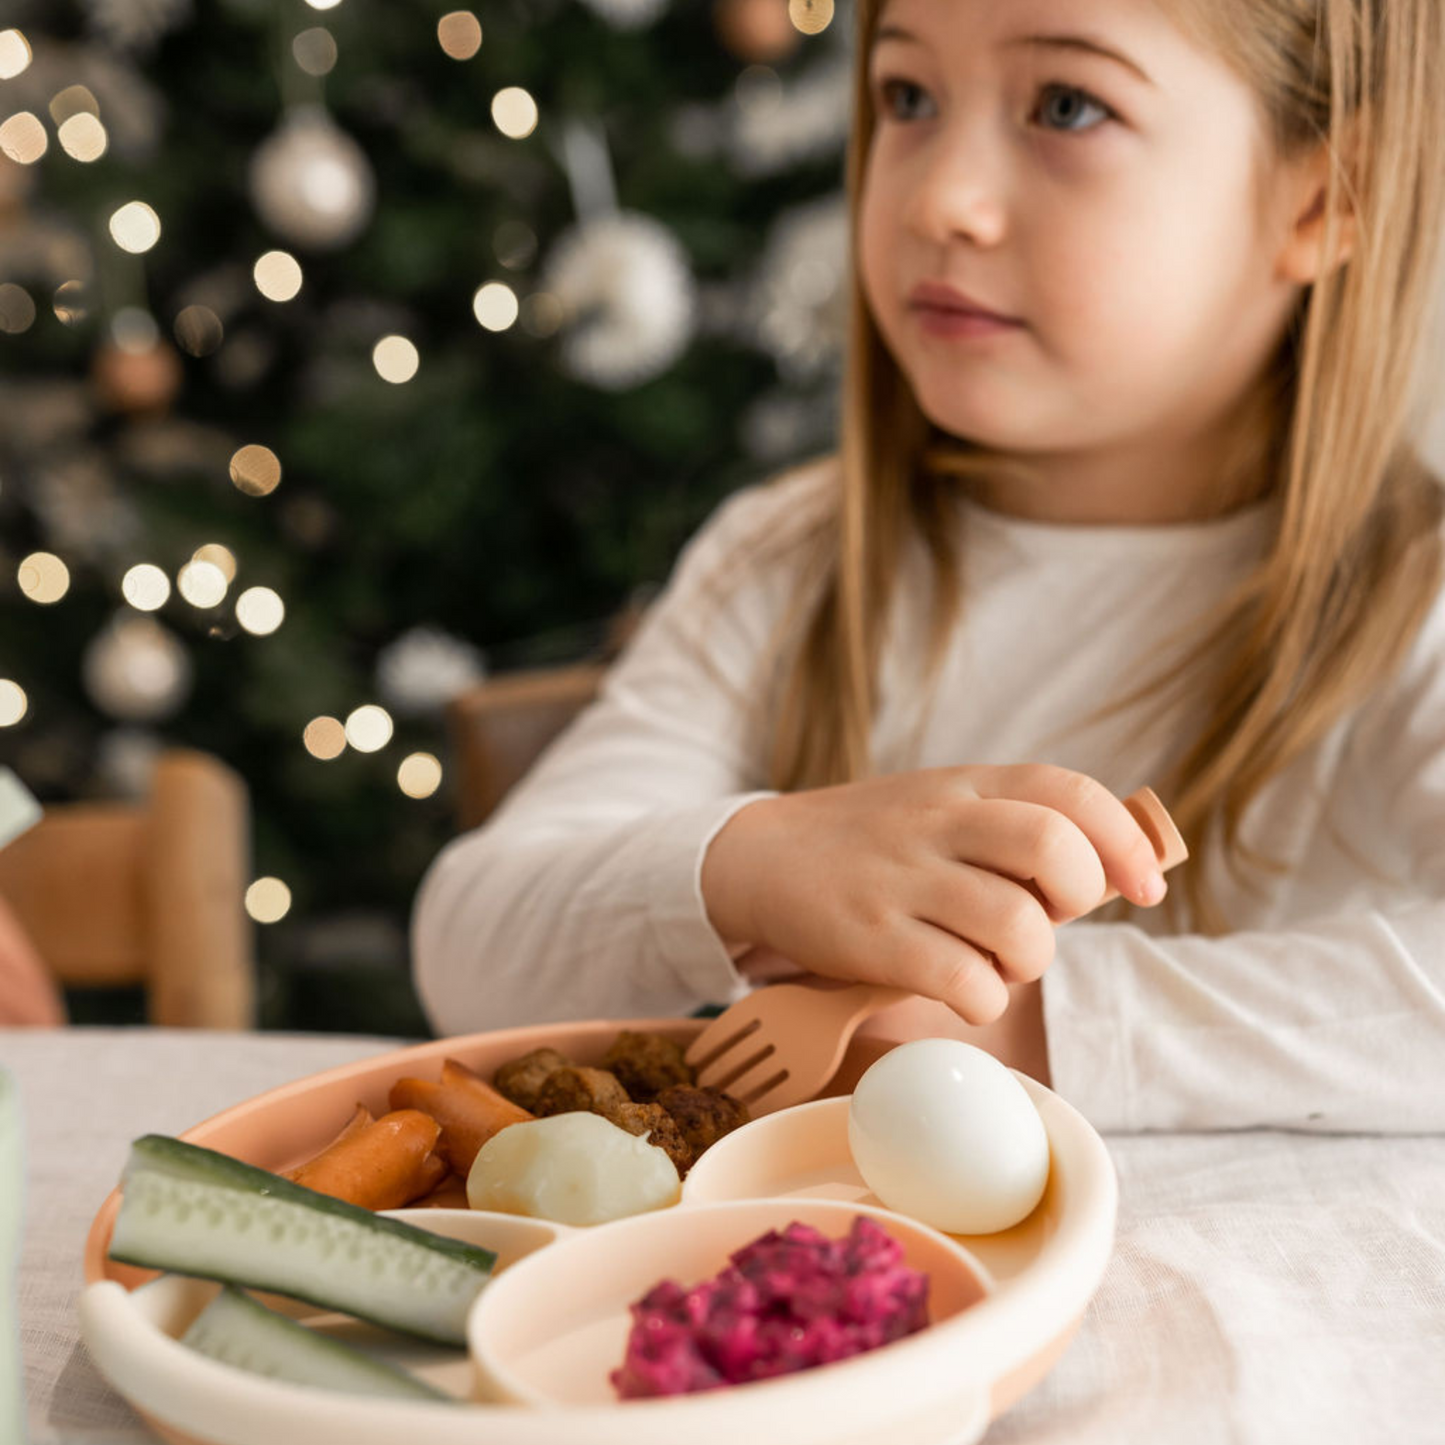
x: 1303, y: 257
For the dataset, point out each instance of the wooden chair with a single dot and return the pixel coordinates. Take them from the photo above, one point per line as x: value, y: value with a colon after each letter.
x: 499, y: 728
x: 146, y: 893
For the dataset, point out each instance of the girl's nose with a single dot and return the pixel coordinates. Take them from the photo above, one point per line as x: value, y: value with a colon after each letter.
x: 959, y: 194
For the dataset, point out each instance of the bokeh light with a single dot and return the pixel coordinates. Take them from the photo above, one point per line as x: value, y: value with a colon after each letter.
x: 73, y: 100
x: 460, y: 34
x: 395, y: 358
x: 256, y: 470
x: 72, y: 305
x: 515, y: 243
x: 218, y: 556
x: 146, y: 587
x: 514, y: 112
x: 542, y: 314
x: 134, y: 330
x: 17, y: 310
x: 325, y: 738
x: 135, y: 227
x: 812, y: 17
x: 13, y: 702
x: 14, y: 54
x: 23, y: 138
x: 495, y: 306
x: 315, y: 50
x: 268, y: 900
x: 260, y: 611
x: 198, y: 331
x: 82, y: 137
x: 277, y: 275
x: 369, y: 728
x: 202, y: 584
x: 419, y: 775
x: 43, y: 577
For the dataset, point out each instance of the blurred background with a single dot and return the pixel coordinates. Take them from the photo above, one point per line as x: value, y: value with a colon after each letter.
x: 352, y: 354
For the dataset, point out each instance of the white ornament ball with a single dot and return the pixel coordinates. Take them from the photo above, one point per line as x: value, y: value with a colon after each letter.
x: 136, y: 670
x: 944, y: 1133
x: 628, y: 297
x: 425, y: 668
x: 311, y: 183
x: 628, y: 14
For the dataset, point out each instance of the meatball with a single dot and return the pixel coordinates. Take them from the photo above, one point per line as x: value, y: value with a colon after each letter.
x: 521, y: 1079
x: 573, y: 1088
x: 661, y: 1129
x: 702, y: 1116
x: 646, y: 1064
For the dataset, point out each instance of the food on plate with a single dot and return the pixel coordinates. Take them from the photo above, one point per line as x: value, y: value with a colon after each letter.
x: 521, y: 1080
x: 645, y: 1086
x: 646, y: 1064
x: 194, y: 1211
x: 237, y: 1330
x: 653, y: 1123
x: 378, y: 1163
x: 703, y: 1115
x: 791, y: 1300
x: 572, y: 1168
x: 943, y: 1132
x: 469, y: 1110
x: 574, y: 1087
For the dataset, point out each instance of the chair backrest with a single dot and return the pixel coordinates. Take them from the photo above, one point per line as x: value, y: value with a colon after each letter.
x: 146, y: 893
x: 500, y: 727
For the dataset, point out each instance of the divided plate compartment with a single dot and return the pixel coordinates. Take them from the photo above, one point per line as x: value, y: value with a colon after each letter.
x: 939, y: 1387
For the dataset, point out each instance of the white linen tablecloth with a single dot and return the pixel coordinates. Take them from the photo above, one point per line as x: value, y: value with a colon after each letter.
x: 1265, y: 1287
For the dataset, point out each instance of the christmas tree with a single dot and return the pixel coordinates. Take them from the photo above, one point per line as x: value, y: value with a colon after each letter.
x: 351, y: 352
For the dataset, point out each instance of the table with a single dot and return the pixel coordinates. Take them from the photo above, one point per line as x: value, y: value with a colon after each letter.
x: 1265, y: 1286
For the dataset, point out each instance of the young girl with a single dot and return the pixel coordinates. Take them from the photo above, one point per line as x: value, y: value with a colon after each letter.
x: 1125, y: 494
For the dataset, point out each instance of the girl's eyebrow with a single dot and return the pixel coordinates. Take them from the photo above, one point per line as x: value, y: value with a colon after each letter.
x: 1088, y: 44
x: 1058, y: 42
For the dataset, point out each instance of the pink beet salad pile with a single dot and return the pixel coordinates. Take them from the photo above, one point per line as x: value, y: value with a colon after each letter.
x: 788, y: 1301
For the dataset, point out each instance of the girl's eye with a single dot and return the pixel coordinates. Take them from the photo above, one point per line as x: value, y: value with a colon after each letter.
x: 1067, y: 108
x: 898, y: 97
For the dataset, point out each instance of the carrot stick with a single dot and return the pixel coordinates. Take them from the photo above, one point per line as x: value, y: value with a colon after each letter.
x: 358, y: 1121
x: 468, y: 1109
x: 382, y: 1165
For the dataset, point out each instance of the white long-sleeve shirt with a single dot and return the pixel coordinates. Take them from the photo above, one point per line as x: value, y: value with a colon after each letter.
x: 1322, y: 1008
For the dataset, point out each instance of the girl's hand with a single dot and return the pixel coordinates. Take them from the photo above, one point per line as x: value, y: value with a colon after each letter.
x: 946, y: 881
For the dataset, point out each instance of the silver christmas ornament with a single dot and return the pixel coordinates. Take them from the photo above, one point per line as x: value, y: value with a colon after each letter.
x: 424, y: 669
x: 799, y: 306
x: 627, y: 14
x: 311, y: 183
x: 136, y: 670
x: 628, y: 298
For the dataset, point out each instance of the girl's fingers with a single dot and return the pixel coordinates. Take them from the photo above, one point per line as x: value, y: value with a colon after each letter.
x: 1035, y: 846
x: 1123, y: 847
x: 940, y: 965
x: 996, y: 917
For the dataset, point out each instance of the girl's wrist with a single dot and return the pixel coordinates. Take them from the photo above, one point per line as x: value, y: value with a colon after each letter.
x: 724, y: 880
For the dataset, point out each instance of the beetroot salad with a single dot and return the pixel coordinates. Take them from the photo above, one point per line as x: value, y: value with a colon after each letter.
x: 788, y: 1301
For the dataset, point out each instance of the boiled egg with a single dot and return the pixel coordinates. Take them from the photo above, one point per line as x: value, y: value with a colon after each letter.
x: 944, y: 1133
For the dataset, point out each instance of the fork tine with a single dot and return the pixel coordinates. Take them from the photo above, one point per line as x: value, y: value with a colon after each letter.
x: 734, y: 1063
x: 762, y: 1076
x: 713, y: 1045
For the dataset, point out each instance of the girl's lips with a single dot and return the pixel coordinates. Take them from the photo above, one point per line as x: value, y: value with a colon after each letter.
x: 949, y: 321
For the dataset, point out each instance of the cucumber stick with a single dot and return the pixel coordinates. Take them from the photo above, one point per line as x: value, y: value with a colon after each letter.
x: 193, y: 1211
x: 239, y: 1331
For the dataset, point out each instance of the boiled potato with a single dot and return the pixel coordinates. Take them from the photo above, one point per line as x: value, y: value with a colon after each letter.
x: 575, y: 1168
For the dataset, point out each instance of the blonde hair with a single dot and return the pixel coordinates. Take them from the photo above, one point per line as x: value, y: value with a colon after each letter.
x: 1354, y: 563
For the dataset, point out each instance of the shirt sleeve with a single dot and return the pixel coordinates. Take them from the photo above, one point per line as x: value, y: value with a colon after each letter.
x: 581, y: 897
x: 1331, y: 1024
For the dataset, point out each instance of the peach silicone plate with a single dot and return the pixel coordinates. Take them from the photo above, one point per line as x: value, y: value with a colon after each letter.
x: 1044, y: 1272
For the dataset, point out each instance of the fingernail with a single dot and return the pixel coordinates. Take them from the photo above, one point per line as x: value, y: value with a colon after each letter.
x: 1152, y: 889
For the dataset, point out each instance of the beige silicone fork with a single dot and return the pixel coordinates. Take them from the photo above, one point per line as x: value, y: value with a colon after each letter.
x: 781, y: 1044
